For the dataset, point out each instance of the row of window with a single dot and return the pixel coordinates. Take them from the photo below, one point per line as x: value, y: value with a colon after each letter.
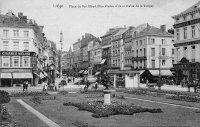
x: 192, y: 16
x: 116, y: 62
x: 15, y: 61
x: 185, y: 33
x: 15, y: 33
x: 15, y: 46
x: 116, y: 52
x: 193, y: 52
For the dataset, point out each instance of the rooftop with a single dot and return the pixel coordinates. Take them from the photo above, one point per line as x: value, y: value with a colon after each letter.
x: 191, y: 9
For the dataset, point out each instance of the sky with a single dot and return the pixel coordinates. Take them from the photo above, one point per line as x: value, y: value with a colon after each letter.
x: 75, y: 17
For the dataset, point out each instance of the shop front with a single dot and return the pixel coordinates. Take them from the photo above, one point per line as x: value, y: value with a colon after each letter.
x: 16, y: 67
x: 187, y: 71
x: 15, y: 77
x: 125, y: 78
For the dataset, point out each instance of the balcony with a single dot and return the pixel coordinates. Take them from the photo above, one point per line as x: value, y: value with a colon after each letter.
x: 106, y: 55
x: 128, y: 65
x: 139, y: 58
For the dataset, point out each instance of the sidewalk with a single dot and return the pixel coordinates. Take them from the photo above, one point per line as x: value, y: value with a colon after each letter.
x: 171, y: 87
x: 46, y: 120
x: 39, y: 87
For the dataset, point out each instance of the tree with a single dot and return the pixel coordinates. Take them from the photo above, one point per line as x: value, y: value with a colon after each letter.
x: 171, y: 31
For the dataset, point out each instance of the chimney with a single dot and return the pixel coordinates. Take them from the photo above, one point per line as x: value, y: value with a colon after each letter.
x: 163, y: 28
x: 25, y: 18
x: 20, y: 14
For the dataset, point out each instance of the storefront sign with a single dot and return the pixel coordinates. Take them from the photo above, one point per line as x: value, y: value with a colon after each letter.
x: 14, y: 53
x: 191, y: 22
x: 15, y: 70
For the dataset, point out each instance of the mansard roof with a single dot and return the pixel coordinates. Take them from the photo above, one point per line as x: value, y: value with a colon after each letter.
x: 195, y: 7
x: 151, y: 30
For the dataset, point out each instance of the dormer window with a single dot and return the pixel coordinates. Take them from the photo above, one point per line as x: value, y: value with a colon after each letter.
x: 184, y: 17
x: 177, y: 19
x: 192, y: 16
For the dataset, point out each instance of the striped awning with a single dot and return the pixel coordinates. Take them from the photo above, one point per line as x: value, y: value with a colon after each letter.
x: 103, y: 61
x: 85, y: 72
x: 22, y: 75
x: 5, y: 75
x: 81, y: 71
x: 97, y: 73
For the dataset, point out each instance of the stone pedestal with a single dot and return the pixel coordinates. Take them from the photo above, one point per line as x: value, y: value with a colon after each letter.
x: 107, y: 100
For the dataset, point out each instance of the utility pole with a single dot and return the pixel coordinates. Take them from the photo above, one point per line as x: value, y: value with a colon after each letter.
x: 61, y: 45
x: 159, y: 78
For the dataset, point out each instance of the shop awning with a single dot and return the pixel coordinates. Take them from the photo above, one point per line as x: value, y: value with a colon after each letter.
x: 166, y: 72
x: 41, y: 75
x: 141, y: 71
x: 81, y: 71
x: 162, y: 72
x: 97, y: 73
x: 45, y: 74
x: 103, y: 61
x: 5, y: 75
x: 122, y: 72
x: 36, y: 74
x: 22, y: 75
x: 57, y: 72
x: 85, y: 72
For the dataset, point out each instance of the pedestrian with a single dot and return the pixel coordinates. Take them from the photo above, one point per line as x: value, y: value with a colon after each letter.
x: 147, y: 82
x: 24, y: 86
x: 44, y: 86
x: 96, y: 85
x: 189, y: 85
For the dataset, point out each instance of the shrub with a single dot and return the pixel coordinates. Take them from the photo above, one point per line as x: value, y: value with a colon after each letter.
x: 117, y: 96
x: 25, y: 94
x: 100, y: 110
x: 81, y: 124
x: 4, y: 97
x: 36, y: 100
x: 184, y: 98
x: 4, y: 115
x: 63, y: 92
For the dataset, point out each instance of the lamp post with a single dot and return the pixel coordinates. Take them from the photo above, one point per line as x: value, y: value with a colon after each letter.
x: 61, y: 44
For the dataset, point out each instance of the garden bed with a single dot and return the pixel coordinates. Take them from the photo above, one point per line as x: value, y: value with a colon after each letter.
x: 184, y: 98
x: 5, y: 118
x: 116, y: 108
x: 154, y: 92
x: 25, y: 94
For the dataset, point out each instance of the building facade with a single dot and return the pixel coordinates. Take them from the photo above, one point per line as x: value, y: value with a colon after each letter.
x: 187, y: 44
x: 21, y: 41
x: 117, y: 49
x: 152, y: 49
x: 106, y: 46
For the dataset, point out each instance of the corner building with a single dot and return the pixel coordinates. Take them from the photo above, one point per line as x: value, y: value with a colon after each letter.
x: 187, y: 44
x: 20, y: 41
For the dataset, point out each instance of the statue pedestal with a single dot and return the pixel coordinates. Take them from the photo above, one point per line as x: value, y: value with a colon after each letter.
x: 107, y: 100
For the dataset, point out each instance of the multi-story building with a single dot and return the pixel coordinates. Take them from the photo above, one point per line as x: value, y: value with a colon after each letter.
x: 21, y: 43
x: 152, y: 49
x: 128, y: 48
x: 117, y: 49
x: 95, y: 55
x: 106, y: 46
x: 77, y: 54
x: 84, y: 51
x: 187, y: 44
